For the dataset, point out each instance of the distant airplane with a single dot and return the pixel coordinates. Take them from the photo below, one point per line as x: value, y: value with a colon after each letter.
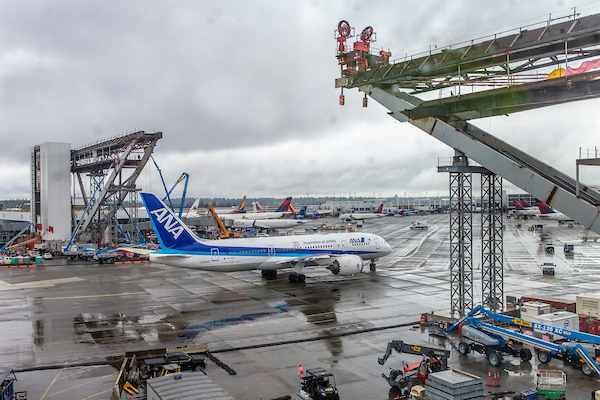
x: 522, y: 207
x: 395, y: 211
x: 257, y: 207
x: 548, y: 212
x: 283, y: 210
x: 193, y: 212
x: 344, y: 254
x: 353, y: 215
x: 267, y: 223
x: 303, y: 213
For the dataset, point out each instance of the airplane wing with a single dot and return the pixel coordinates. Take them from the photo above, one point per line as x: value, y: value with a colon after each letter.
x: 136, y: 250
x: 310, y: 259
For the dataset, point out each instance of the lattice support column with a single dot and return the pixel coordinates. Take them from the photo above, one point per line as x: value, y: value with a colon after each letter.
x: 461, y: 238
x: 492, y: 260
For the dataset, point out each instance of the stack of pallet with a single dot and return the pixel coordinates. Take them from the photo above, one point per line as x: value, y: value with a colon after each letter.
x: 453, y: 385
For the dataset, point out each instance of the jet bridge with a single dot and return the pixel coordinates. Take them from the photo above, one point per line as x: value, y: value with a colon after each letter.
x: 505, y: 62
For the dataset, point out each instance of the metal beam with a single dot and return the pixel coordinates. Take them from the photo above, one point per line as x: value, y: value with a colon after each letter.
x: 533, y: 176
x: 544, y: 42
x: 508, y: 100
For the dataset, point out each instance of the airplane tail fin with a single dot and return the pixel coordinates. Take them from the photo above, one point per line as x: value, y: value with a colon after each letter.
x: 380, y: 209
x: 292, y: 210
x: 302, y: 212
x: 170, y: 231
x: 544, y: 208
x: 194, y: 208
x: 518, y: 205
x: 257, y: 208
x: 524, y: 203
x: 240, y: 208
x: 284, y: 207
x: 401, y: 210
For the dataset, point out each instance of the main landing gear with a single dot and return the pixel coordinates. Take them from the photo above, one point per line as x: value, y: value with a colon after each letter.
x: 295, y: 277
x: 269, y: 273
x: 372, y: 266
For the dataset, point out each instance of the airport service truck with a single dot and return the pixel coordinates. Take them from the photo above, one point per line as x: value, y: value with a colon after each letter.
x: 317, y: 384
x: 186, y: 362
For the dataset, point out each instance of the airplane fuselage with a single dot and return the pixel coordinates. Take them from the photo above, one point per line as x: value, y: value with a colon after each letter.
x: 267, y: 223
x: 254, y: 216
x: 272, y: 253
x: 360, y: 216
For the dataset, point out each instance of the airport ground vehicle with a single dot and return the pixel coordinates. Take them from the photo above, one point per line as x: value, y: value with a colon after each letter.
x: 568, y: 249
x: 549, y: 247
x: 318, y: 384
x: 187, y: 362
x: 548, y: 268
x: 418, y: 225
x: 434, y: 360
x: 493, y: 340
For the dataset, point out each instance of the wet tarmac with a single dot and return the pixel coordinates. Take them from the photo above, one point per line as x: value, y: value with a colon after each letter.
x: 263, y: 328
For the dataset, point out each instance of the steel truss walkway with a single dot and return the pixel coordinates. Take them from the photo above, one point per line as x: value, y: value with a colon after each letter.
x: 105, y: 162
x: 447, y: 119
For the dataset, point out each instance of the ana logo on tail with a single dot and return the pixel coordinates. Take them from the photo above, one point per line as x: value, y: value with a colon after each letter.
x: 168, y: 222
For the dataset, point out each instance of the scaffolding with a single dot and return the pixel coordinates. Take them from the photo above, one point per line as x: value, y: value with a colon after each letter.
x: 492, y: 259
x: 105, y: 163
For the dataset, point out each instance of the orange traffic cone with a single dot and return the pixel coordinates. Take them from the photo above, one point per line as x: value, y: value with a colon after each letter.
x: 300, y: 370
x: 423, y: 322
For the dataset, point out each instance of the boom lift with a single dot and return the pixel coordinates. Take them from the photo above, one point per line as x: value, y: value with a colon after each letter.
x: 223, y: 232
x: 492, y: 340
x: 434, y: 360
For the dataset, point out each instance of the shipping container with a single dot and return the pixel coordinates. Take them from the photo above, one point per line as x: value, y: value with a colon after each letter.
x: 561, y: 319
x: 555, y: 302
x: 588, y: 304
x: 532, y: 309
x: 584, y: 323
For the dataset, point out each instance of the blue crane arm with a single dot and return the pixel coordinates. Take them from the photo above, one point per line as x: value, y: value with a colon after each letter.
x: 567, y: 333
x: 187, y: 178
x: 7, y: 244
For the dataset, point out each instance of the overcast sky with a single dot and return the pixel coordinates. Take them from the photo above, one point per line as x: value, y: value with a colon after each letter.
x: 243, y: 92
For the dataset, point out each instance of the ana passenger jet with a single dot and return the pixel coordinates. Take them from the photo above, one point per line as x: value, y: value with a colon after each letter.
x: 343, y: 254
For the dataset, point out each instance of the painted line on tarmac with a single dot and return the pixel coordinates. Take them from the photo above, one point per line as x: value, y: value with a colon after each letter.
x: 418, y: 247
x: 315, y: 338
x: 132, y: 293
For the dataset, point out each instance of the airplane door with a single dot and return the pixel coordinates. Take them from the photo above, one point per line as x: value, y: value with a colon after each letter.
x: 271, y: 251
x: 214, y: 254
x: 344, y: 245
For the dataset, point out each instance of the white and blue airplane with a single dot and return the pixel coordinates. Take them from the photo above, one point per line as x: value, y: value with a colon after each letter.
x: 344, y: 254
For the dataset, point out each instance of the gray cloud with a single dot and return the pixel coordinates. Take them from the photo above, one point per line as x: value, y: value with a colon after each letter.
x: 244, y: 91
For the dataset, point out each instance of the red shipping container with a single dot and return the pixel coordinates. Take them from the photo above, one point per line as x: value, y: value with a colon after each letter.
x: 593, y: 326
x: 556, y: 303
x: 584, y: 322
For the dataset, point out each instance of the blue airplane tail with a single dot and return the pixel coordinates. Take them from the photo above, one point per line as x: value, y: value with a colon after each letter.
x: 170, y: 231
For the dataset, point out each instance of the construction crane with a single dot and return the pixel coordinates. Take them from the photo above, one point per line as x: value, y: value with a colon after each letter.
x: 223, y: 232
x: 7, y: 245
x: 182, y: 177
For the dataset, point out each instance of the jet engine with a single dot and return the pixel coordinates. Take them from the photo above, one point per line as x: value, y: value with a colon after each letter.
x: 347, y: 265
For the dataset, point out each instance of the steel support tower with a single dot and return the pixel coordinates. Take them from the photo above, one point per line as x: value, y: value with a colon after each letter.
x: 492, y: 259
x: 112, y: 166
x: 461, y: 242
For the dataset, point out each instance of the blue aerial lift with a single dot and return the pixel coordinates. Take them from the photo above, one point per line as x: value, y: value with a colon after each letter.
x: 494, y: 341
